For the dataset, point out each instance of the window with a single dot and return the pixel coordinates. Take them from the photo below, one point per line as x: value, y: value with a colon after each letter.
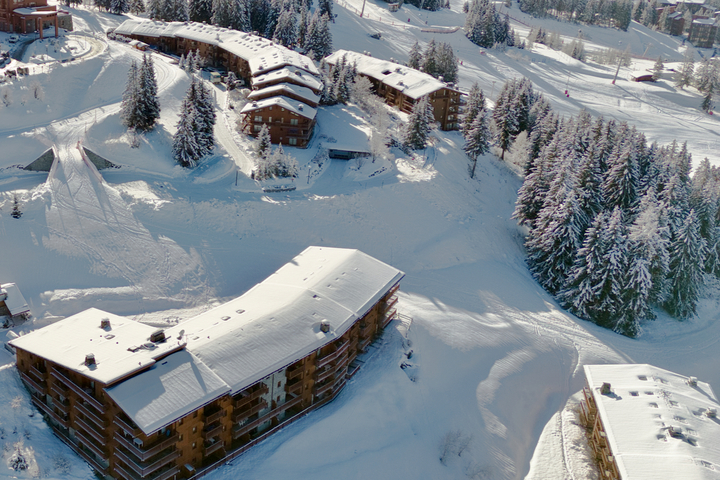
x: 258, y: 118
x: 293, y: 121
x: 292, y: 141
x: 270, y: 119
x: 180, y: 438
x: 194, y: 445
x: 278, y: 385
x: 278, y: 398
x: 181, y: 421
x: 257, y: 128
x: 195, y: 414
x: 194, y: 431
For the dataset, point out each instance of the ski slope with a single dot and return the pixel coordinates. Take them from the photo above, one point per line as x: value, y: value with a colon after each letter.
x: 493, y: 356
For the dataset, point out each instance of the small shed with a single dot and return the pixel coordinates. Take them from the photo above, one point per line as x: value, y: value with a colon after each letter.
x: 641, y: 77
x: 343, y: 151
x: 12, y: 303
x: 393, y: 7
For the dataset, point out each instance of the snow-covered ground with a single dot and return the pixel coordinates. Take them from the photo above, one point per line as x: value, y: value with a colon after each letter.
x: 494, y: 359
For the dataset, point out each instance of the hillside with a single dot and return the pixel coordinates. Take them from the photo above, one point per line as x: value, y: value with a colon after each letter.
x: 494, y: 357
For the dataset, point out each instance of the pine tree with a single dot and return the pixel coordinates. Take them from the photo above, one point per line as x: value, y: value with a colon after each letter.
x: 200, y: 10
x: 477, y: 140
x: 285, y: 31
x: 302, y: 27
x: 658, y: 69
x: 707, y: 103
x: 685, y: 76
x: 620, y: 185
x: 429, y: 59
x: 185, y: 150
x: 446, y: 63
x: 325, y: 8
x: 263, y: 145
x: 318, y: 39
x: 475, y: 103
x: 505, y: 118
x: 419, y: 124
x: 206, y: 117
x: 222, y: 13
x: 119, y: 7
x: 415, y: 57
x: 16, y: 212
x: 148, y: 103
x: 137, y: 7
x: 130, y: 112
x: 687, y: 256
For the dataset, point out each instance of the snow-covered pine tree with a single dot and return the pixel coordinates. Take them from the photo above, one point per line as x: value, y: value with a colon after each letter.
x: 420, y: 123
x: 154, y: 8
x: 475, y: 103
x: 477, y: 139
x: 286, y: 31
x: 415, y: 57
x: 16, y: 212
x: 272, y: 16
x: 622, y: 179
x: 685, y: 76
x: 263, y: 144
x: 707, y: 103
x: 325, y: 8
x: 130, y: 113
x: 137, y: 7
x: 185, y: 150
x: 505, y: 118
x: 119, y: 7
x: 302, y: 27
x: 446, y: 63
x: 205, y: 119
x: 428, y: 63
x: 200, y: 10
x: 687, y: 257
x: 556, y: 236
x: 149, y: 105
x: 658, y: 69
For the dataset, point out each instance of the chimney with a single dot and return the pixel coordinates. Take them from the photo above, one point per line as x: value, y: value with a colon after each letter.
x: 605, y: 389
x: 711, y: 412
x: 325, y: 326
x: 692, y: 381
x: 157, y: 336
x: 90, y: 360
x: 105, y: 323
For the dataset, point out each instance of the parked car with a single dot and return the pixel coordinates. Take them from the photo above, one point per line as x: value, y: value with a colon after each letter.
x: 13, y: 38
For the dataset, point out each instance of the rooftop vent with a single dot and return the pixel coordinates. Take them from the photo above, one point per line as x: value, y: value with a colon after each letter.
x: 711, y: 412
x: 225, y: 318
x: 300, y: 107
x: 692, y: 381
x: 325, y: 326
x: 105, y: 323
x: 157, y: 336
x: 605, y: 389
x: 90, y: 359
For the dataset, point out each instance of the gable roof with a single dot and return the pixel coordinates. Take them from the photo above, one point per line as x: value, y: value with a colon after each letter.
x: 305, y: 93
x: 289, y: 104
x: 14, y: 300
x: 288, y: 74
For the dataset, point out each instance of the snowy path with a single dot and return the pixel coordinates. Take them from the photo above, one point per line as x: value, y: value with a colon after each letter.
x: 89, y: 220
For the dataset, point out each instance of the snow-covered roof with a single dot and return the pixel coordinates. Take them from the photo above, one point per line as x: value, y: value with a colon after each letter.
x: 173, y: 387
x: 281, y: 57
x: 704, y: 21
x: 302, y: 92
x: 14, y: 300
x: 286, y: 74
x: 257, y: 50
x: 675, y: 15
x: 644, y: 401
x: 411, y: 82
x: 36, y: 11
x: 277, y: 322
x: 345, y: 146
x: 120, y: 350
x: 287, y: 103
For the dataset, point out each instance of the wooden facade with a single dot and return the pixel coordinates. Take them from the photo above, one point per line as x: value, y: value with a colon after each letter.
x: 285, y: 126
x: 598, y: 437
x: 84, y: 416
x: 703, y: 32
x: 27, y: 16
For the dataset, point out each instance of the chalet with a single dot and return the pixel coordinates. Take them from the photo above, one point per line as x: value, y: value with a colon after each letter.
x: 702, y: 32
x: 403, y: 86
x: 12, y: 302
x: 296, y: 92
x: 28, y: 16
x: 141, y: 403
x: 292, y: 75
x: 289, y: 121
x: 650, y: 423
x: 676, y: 23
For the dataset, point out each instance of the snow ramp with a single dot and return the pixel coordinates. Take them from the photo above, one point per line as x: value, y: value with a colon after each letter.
x: 88, y: 219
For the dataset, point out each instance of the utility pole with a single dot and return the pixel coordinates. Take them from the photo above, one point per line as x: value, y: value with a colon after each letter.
x: 363, y: 9
x: 617, y: 71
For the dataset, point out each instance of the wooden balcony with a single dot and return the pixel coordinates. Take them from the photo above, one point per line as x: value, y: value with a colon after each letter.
x: 63, y: 407
x: 92, y: 445
x: 214, y: 447
x: 85, y: 425
x: 389, y: 317
x: 164, y: 475
x: 79, y: 391
x: 212, y: 431
x: 324, y: 375
x: 243, y: 414
x: 294, y: 372
x: 50, y: 412
x: 250, y: 394
x: 241, y: 430
x: 146, y: 451
x: 390, y: 302
x: 100, y: 422
x: 143, y: 469
x: 59, y: 389
x: 217, y: 414
x: 97, y: 466
x: 39, y: 387
x: 132, y: 431
x: 38, y: 374
x: 333, y: 356
x: 366, y: 330
x: 363, y: 344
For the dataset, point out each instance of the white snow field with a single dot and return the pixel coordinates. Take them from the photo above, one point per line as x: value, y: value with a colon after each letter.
x: 494, y: 359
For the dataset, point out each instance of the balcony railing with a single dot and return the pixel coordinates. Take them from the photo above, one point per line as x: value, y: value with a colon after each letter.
x: 91, y: 460
x: 242, y: 430
x: 64, y: 407
x: 59, y: 389
x: 250, y: 394
x: 91, y: 444
x: 363, y: 344
x: 214, y: 447
x: 366, y: 329
x: 390, y: 302
x: 165, y: 475
x: 40, y: 387
x: 212, y: 431
x: 146, y: 451
x: 389, y: 317
x: 132, y: 431
x: 143, y: 469
x: 79, y: 391
x: 333, y: 356
x: 294, y: 371
x: 100, y: 422
x: 90, y: 430
x: 39, y: 375
x: 295, y: 388
x: 217, y: 414
x: 49, y: 411
x: 324, y: 375
x: 240, y: 415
